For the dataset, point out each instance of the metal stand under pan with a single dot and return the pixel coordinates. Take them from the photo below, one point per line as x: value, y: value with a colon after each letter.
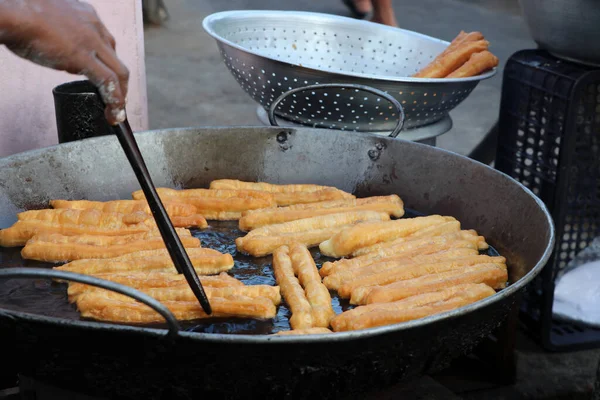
x: 426, y: 134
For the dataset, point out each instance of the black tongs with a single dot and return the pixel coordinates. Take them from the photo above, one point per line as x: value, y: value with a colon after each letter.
x: 168, y: 233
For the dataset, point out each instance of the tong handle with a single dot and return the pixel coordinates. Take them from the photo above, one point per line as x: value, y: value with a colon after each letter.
x: 157, y: 306
x: 172, y: 242
x: 380, y: 93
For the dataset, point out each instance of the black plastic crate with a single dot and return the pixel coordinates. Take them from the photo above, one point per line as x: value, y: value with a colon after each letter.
x: 549, y: 140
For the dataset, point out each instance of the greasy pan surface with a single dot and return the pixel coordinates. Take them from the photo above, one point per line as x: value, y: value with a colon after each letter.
x: 429, y: 180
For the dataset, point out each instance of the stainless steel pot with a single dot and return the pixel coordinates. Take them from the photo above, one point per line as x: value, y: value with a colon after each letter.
x: 569, y: 29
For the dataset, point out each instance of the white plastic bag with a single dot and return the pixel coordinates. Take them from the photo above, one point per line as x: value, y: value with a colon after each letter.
x: 577, y: 291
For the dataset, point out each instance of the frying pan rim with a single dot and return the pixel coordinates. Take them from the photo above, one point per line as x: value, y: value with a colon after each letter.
x: 315, y: 338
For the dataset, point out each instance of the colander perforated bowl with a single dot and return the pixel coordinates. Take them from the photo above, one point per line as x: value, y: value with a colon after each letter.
x: 271, y: 53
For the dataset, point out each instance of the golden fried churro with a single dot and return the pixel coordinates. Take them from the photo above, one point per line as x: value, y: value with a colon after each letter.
x: 216, y: 204
x: 307, y: 331
x: 124, y: 206
x: 385, y: 273
x: 316, y: 293
x: 287, y: 199
x: 417, y: 240
x: 190, y: 221
x: 58, y: 248
x: 423, y: 248
x: 490, y: 274
x: 144, y: 280
x: 347, y: 202
x: 459, y: 40
x: 67, y: 222
x: 234, y: 184
x: 478, y: 63
x: 184, y: 293
x: 308, y: 231
x: 411, y: 308
x: 93, y: 221
x: 334, y: 280
x: 437, y: 230
x: 369, y: 233
x: 326, y: 221
x: 291, y: 290
x: 462, y: 38
x: 96, y: 306
x: 286, y: 195
x: 205, y: 262
x: 452, y: 60
x: 260, y: 246
x: 392, y: 205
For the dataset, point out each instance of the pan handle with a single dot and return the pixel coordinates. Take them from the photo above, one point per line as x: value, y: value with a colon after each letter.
x: 380, y: 93
x: 93, y: 281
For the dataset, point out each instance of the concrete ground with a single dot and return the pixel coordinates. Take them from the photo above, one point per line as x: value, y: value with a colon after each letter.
x: 188, y: 84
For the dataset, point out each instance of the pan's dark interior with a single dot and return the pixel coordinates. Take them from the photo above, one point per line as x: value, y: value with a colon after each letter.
x: 45, y: 297
x: 427, y: 179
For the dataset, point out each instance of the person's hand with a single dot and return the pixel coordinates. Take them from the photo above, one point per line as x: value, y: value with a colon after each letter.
x: 67, y: 35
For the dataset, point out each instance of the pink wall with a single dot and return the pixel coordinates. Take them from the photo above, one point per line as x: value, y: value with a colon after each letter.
x: 27, y: 119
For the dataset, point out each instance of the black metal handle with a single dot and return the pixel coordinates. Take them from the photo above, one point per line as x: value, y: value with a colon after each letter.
x: 380, y: 93
x: 173, y: 243
x: 93, y: 281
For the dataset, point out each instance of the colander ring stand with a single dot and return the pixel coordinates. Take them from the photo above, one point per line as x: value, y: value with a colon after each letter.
x: 380, y: 93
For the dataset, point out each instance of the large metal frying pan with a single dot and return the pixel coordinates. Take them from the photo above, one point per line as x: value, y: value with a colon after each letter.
x: 140, y: 362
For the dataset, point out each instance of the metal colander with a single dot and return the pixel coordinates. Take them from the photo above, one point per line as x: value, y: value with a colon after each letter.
x: 271, y: 53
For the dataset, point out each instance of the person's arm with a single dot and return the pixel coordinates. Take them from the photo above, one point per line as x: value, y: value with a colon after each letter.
x: 67, y: 35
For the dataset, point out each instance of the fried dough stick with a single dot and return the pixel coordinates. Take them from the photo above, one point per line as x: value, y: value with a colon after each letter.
x: 411, y: 248
x: 478, y: 63
x: 67, y: 222
x: 449, y: 62
x: 98, y: 307
x: 335, y: 280
x: 152, y: 279
x: 184, y: 293
x: 383, y: 274
x: 216, y: 204
x: 459, y: 40
x: 286, y: 195
x: 428, y: 235
x: 391, y: 205
x: 316, y: 293
x: 205, y: 262
x: 294, y: 295
x: 124, y: 206
x: 234, y: 184
x: 411, y: 308
x: 490, y: 274
x: 59, y: 248
x: 307, y: 331
x: 85, y: 222
x: 366, y: 234
x: 106, y: 220
x: 309, y: 231
x: 287, y: 199
x: 326, y: 221
x: 260, y: 246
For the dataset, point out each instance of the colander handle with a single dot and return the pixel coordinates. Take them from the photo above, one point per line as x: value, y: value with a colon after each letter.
x: 369, y: 89
x: 93, y: 281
